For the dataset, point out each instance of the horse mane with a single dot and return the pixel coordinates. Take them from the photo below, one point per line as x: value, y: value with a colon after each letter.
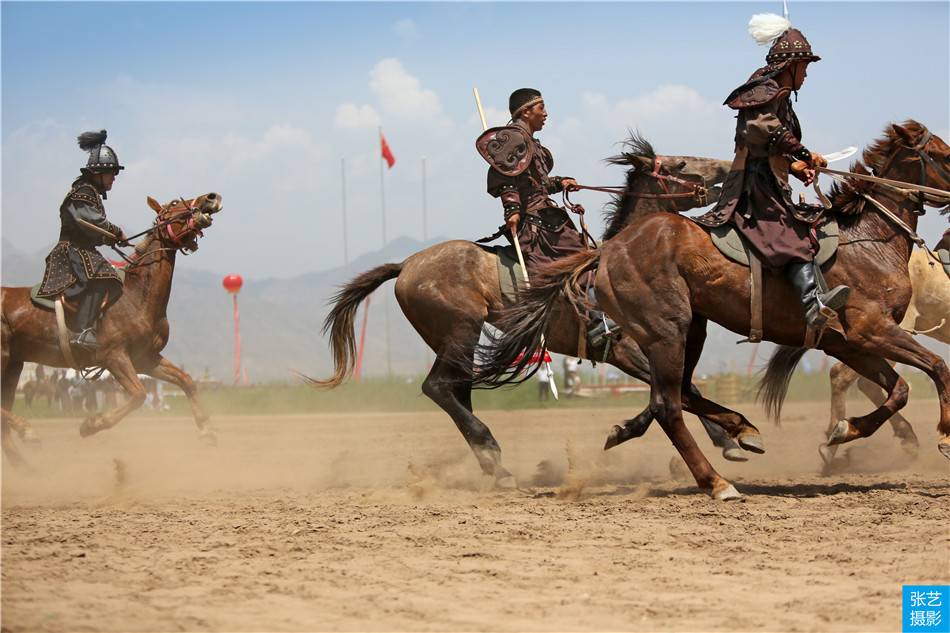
x: 847, y: 197
x: 634, y: 146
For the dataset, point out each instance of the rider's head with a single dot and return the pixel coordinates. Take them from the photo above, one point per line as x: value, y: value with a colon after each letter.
x: 527, y: 105
x: 789, y: 57
x: 103, y: 164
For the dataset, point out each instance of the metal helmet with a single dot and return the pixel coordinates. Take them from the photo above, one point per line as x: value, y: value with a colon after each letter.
x: 791, y: 46
x: 102, y: 158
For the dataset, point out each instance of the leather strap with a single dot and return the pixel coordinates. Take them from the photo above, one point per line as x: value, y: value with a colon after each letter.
x: 755, y: 325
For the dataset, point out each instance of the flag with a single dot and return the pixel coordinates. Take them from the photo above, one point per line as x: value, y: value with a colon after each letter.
x: 386, y: 152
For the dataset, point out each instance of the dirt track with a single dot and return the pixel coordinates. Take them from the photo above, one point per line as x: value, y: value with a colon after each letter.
x: 380, y: 522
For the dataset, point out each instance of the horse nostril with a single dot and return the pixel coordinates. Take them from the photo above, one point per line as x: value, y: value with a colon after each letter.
x: 212, y: 196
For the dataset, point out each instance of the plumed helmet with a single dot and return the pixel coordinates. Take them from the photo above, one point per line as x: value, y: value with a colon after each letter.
x: 787, y: 44
x: 102, y: 158
x: 522, y: 99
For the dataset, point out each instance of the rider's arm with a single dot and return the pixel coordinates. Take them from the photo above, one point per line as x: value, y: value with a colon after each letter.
x: 80, y: 210
x: 505, y: 188
x: 765, y: 135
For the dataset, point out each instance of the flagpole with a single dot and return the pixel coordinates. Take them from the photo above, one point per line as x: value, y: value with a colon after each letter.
x: 346, y: 253
x: 382, y: 205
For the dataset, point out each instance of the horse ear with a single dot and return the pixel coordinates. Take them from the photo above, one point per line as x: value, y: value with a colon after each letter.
x: 152, y: 202
x: 903, y: 134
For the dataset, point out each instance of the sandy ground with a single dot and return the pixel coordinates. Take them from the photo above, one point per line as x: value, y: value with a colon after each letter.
x: 382, y: 522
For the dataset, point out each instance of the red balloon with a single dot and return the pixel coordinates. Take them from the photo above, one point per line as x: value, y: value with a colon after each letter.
x: 233, y: 283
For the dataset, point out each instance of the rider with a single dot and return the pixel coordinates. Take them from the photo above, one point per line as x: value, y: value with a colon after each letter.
x: 74, y: 268
x: 943, y: 250
x: 756, y: 195
x: 519, y: 175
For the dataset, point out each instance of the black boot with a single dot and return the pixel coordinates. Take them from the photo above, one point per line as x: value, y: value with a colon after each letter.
x: 819, y: 306
x: 87, y: 316
x: 600, y: 326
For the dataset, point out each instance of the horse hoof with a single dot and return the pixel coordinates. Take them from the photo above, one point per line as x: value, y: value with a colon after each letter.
x: 911, y: 447
x: 734, y: 454
x: 614, y: 437
x: 506, y: 482
x: 88, y: 427
x: 840, y: 433
x: 208, y: 438
x: 30, y: 437
x: 751, y: 442
x: 944, y: 447
x: 827, y: 453
x: 726, y: 492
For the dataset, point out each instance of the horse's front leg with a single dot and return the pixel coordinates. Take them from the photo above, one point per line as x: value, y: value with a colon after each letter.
x: 121, y: 367
x: 171, y: 373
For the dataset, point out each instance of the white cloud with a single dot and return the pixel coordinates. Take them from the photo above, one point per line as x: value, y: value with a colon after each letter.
x: 352, y: 116
x: 402, y: 94
x: 406, y: 30
x: 663, y: 101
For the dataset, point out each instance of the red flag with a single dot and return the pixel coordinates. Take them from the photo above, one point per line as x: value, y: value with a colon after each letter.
x: 387, y: 153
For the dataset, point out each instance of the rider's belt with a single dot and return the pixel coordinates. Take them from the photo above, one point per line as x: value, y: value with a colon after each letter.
x: 550, y: 219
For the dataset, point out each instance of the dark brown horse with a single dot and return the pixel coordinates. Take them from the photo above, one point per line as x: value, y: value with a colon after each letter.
x: 132, y: 333
x: 661, y: 279
x: 450, y: 290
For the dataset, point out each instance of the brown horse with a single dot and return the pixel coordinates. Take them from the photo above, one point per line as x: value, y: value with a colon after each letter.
x: 132, y: 333
x: 661, y: 279
x: 450, y: 290
x: 928, y: 313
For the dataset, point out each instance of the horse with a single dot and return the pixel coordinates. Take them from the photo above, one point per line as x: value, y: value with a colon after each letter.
x: 661, y: 279
x: 132, y: 332
x: 450, y: 290
x: 928, y: 313
x: 36, y: 388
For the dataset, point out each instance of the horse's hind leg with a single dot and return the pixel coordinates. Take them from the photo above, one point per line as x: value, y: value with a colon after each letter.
x: 881, y: 373
x: 902, y: 428
x: 8, y: 383
x: 841, y: 378
x: 897, y: 345
x: 171, y: 373
x: 123, y: 370
x: 448, y: 388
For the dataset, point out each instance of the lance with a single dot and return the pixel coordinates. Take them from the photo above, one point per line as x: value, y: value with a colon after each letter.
x: 514, y: 238
x: 89, y: 225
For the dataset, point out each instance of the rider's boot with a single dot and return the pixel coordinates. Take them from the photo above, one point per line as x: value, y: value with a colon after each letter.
x: 819, y: 306
x: 600, y: 326
x: 87, y: 315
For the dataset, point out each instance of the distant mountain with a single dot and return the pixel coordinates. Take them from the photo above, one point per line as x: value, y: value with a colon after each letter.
x: 281, y: 321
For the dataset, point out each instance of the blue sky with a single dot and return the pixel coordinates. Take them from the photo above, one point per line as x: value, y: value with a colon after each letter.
x: 261, y: 101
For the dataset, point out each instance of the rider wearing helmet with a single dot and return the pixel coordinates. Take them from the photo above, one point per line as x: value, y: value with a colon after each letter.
x: 74, y: 268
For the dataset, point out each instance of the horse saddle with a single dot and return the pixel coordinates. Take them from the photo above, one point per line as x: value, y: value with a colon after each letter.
x: 510, y: 277
x: 731, y: 243
x: 45, y: 303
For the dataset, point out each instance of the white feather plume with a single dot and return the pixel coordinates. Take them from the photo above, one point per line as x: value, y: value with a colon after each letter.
x: 765, y: 28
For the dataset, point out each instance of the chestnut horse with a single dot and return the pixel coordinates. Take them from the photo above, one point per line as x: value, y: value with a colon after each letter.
x: 132, y: 332
x: 450, y: 290
x: 928, y: 313
x: 662, y: 278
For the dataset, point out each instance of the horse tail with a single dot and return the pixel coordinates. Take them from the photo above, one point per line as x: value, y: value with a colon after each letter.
x: 342, y: 317
x: 507, y: 358
x: 773, y: 387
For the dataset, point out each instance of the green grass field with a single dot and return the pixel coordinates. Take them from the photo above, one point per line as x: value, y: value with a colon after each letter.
x: 401, y: 395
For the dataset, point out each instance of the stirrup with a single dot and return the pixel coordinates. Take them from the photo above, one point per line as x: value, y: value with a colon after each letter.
x: 85, y: 340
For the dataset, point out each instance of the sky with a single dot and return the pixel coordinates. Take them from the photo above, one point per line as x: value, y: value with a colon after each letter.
x: 263, y: 102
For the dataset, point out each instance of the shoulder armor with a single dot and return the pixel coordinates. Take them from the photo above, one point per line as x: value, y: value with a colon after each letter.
x: 755, y: 93
x: 86, y: 194
x: 508, y: 149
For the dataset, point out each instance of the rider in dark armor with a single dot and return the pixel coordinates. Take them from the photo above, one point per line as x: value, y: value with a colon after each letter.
x: 756, y: 195
x: 519, y: 174
x: 74, y: 268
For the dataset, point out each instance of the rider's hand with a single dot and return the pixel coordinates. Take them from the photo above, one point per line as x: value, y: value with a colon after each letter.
x: 801, y: 170
x: 817, y: 160
x: 569, y: 184
x: 121, y: 239
x: 512, y: 222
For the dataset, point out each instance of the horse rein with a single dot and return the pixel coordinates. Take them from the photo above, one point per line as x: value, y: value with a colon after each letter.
x: 696, y: 191
x: 169, y: 235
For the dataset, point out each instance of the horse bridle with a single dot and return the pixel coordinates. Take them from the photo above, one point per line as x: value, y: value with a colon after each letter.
x: 166, y: 234
x: 698, y: 192
x: 925, y: 161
